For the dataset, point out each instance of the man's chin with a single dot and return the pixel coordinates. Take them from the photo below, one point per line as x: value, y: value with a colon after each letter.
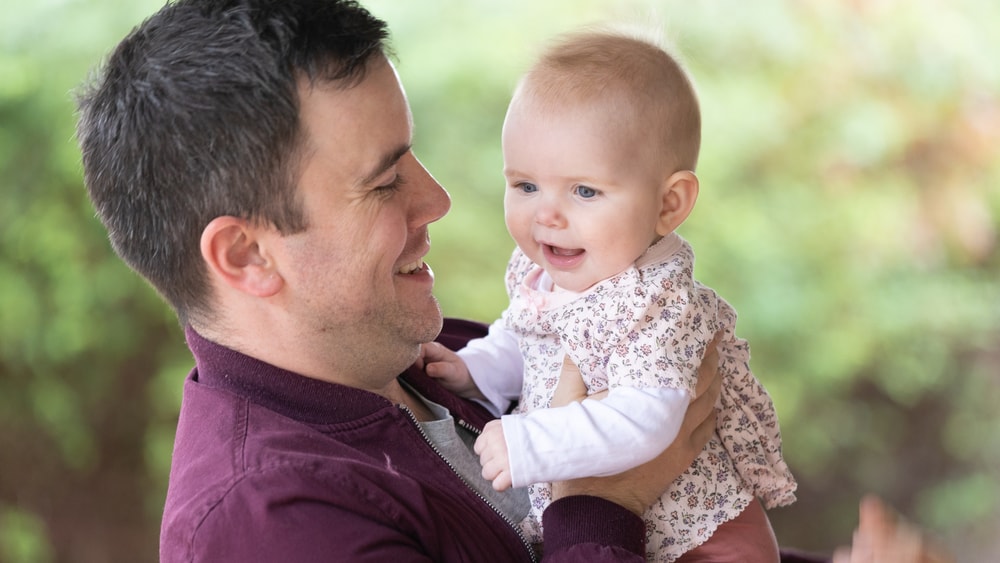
x: 434, y: 328
x: 428, y: 323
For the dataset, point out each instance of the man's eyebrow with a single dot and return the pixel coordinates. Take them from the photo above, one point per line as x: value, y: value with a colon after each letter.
x: 387, y: 162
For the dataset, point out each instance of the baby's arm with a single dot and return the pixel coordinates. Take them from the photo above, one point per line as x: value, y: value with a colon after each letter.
x: 488, y: 370
x: 582, y: 439
x: 448, y: 368
x: 496, y: 366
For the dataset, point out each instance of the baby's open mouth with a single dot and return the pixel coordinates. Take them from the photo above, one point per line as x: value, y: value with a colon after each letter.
x: 557, y: 251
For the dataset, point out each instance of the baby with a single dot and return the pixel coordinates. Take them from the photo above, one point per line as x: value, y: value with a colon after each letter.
x: 600, y: 145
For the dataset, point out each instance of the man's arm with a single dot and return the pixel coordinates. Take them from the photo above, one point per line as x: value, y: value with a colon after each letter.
x: 621, y: 499
x: 637, y: 488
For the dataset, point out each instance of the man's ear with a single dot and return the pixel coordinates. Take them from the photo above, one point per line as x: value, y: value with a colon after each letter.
x: 677, y: 196
x: 232, y: 250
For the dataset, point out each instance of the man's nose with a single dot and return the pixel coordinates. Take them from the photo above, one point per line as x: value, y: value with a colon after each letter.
x: 431, y: 200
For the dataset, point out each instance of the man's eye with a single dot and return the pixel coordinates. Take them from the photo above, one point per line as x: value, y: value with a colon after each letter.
x: 392, y: 186
x: 585, y: 192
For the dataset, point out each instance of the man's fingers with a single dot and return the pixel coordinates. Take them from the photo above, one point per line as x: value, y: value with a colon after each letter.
x: 716, y: 387
x: 703, y: 433
x: 704, y: 403
x: 708, y: 371
x: 571, y: 387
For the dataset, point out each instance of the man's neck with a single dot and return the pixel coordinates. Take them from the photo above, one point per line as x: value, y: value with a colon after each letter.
x: 392, y: 390
x: 401, y: 395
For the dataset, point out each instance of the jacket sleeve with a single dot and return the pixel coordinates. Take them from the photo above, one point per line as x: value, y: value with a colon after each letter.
x: 586, y: 528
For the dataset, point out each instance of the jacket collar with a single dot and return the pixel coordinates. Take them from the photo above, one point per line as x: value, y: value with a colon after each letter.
x: 311, y: 400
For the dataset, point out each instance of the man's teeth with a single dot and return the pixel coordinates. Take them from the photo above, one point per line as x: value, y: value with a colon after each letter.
x: 411, y: 267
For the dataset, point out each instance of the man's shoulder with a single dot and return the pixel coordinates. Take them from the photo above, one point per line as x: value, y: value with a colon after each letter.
x: 238, y: 468
x: 225, y: 440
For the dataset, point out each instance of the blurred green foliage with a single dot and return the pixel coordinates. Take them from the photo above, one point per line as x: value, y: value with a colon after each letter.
x: 849, y: 210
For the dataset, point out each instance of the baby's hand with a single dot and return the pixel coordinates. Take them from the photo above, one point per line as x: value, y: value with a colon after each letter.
x: 492, y: 450
x: 448, y: 368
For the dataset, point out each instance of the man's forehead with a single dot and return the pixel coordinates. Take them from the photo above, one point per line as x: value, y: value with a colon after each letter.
x: 360, y: 130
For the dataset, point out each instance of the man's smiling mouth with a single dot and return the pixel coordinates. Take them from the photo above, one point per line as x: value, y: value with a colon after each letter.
x: 411, y: 268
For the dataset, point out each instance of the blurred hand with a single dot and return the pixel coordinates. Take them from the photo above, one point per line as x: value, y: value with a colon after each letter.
x: 883, y: 536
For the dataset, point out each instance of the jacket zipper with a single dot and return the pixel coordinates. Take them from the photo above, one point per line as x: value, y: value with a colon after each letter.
x: 476, y: 431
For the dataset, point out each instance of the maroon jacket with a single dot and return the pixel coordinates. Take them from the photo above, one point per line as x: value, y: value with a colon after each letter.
x: 272, y: 466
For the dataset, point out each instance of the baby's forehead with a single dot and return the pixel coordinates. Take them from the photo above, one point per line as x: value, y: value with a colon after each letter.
x: 582, y: 143
x: 560, y: 86
x: 618, y: 97
x: 616, y: 111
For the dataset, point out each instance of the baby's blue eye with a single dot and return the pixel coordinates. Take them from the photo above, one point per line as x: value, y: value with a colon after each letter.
x: 528, y: 188
x: 585, y: 192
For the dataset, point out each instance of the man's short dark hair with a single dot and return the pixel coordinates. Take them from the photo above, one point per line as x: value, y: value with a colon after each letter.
x: 194, y: 115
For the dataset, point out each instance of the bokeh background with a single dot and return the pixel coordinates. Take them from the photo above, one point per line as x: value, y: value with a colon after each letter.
x: 850, y: 210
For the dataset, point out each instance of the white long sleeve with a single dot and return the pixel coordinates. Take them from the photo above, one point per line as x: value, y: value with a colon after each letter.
x: 593, y: 438
x: 496, y: 366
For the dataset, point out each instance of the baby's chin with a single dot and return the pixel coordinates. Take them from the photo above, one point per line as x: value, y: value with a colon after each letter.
x: 576, y: 284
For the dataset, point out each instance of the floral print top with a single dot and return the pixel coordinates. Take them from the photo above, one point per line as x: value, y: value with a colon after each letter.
x: 648, y: 327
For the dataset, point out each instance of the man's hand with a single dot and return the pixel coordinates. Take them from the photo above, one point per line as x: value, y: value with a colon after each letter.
x: 883, y: 537
x: 637, y: 488
x: 492, y: 450
x: 571, y: 387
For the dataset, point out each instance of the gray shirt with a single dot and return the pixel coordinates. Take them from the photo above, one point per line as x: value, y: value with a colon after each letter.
x: 454, y: 442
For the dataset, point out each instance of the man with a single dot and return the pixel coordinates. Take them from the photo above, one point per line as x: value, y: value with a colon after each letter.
x: 252, y: 160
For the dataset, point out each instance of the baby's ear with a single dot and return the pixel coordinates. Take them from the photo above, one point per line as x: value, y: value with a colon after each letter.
x: 677, y: 196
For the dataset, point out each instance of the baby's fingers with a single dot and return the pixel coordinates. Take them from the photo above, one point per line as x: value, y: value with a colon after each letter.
x: 486, y: 439
x: 502, y: 482
x: 491, y: 469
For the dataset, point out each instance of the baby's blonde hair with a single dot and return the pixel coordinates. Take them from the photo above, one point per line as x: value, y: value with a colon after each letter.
x: 641, y: 84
